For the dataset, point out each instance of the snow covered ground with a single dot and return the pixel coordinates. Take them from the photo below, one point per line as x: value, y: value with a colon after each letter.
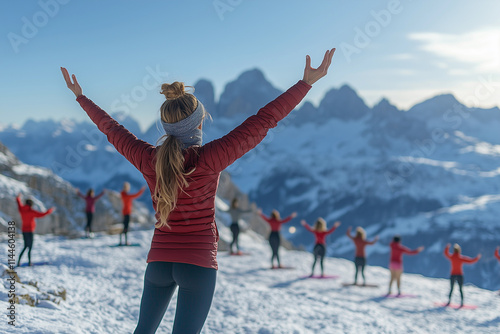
x: 104, y: 286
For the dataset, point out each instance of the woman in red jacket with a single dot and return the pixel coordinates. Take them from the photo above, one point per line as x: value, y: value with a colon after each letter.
x: 182, y: 176
x: 275, y: 222
x: 127, y: 200
x: 28, y: 215
x: 396, y: 264
x: 90, y: 200
x: 320, y: 233
x: 360, y: 243
x: 457, y: 260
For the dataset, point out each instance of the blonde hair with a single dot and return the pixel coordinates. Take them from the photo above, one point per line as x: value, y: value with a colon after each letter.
x: 169, y: 166
x: 275, y: 214
x: 360, y: 233
x: 457, y: 248
x: 320, y: 225
x: 126, y: 187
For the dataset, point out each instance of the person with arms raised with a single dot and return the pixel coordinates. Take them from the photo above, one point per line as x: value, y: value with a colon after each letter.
x: 90, y: 200
x: 127, y: 200
x: 396, y: 263
x: 274, y: 238
x: 457, y: 260
x: 28, y: 215
x: 182, y: 175
x: 360, y: 243
x: 320, y: 232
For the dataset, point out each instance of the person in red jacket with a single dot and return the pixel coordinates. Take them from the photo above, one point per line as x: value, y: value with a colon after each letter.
x: 182, y: 175
x: 396, y: 263
x: 320, y: 233
x: 127, y: 200
x: 90, y: 200
x: 497, y: 253
x: 28, y: 215
x: 275, y: 222
x: 360, y: 243
x: 457, y: 260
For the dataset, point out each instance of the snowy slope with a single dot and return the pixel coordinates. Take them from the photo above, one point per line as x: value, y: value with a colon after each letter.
x: 104, y: 286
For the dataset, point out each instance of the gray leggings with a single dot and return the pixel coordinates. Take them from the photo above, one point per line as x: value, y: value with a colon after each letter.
x: 196, y: 289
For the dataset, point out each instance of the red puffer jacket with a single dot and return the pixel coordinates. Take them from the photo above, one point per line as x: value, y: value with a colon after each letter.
x: 192, y: 233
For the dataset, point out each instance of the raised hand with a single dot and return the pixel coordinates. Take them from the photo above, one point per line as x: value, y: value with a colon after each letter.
x: 294, y: 214
x: 303, y: 222
x: 311, y: 75
x: 337, y: 224
x: 73, y: 86
x: 421, y: 248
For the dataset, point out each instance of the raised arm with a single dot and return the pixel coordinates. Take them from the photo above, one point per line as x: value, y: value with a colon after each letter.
x: 287, y: 219
x: 471, y: 260
x: 263, y: 216
x: 139, y: 193
x: 373, y: 241
x: 334, y: 227
x: 18, y: 201
x: 497, y: 253
x: 100, y: 195
x: 124, y: 141
x: 222, y: 152
x: 309, y: 228
x: 43, y: 214
x: 79, y: 194
x: 447, y: 251
x: 348, y: 233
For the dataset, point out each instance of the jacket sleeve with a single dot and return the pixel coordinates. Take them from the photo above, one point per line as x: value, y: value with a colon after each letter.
x: 330, y: 231
x: 309, y: 228
x: 99, y: 196
x: 286, y: 220
x: 447, y: 252
x: 80, y: 195
x: 123, y: 140
x: 18, y: 201
x: 470, y: 260
x: 137, y: 194
x: 497, y: 254
x: 267, y: 219
x: 408, y: 251
x: 42, y: 214
x: 220, y: 153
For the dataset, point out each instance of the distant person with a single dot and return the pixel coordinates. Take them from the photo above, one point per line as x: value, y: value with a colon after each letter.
x: 28, y: 215
x: 183, y: 175
x: 90, y: 200
x: 127, y: 200
x: 497, y: 253
x: 320, y: 232
x: 275, y: 222
x: 396, y: 264
x: 360, y: 243
x: 457, y: 260
x: 236, y: 214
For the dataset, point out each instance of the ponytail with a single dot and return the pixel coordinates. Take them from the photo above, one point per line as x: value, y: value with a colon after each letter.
x: 169, y: 165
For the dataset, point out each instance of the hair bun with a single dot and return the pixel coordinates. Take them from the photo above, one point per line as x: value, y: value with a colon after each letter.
x: 173, y: 91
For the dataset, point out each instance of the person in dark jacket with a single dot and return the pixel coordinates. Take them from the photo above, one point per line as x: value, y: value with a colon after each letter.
x: 182, y: 175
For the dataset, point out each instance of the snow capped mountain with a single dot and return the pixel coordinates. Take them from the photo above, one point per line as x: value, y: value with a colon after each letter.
x: 430, y: 174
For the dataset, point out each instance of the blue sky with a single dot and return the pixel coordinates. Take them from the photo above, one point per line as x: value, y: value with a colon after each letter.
x: 404, y: 50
